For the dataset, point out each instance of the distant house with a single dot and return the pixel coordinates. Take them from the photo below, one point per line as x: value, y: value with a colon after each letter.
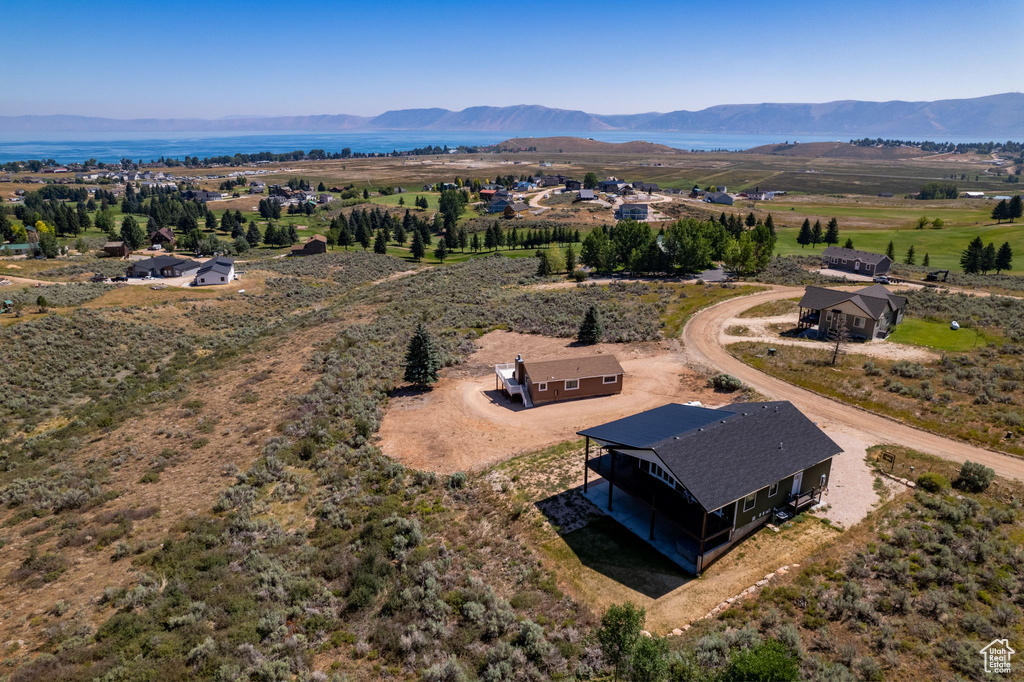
x: 694, y: 481
x: 759, y: 195
x: 720, y: 188
x: 487, y: 194
x: 718, y: 198
x: 549, y: 381
x: 164, y: 236
x: 645, y: 186
x: 163, y: 266
x: 499, y: 205
x: 525, y: 185
x: 573, y: 185
x: 218, y: 270
x: 515, y: 209
x: 968, y: 195
x: 14, y: 249
x: 611, y: 186
x: 888, y: 195
x: 634, y: 212
x: 314, y: 245
x: 867, y: 313
x: 587, y: 195
x: 116, y: 249
x: 852, y: 260
x: 256, y: 190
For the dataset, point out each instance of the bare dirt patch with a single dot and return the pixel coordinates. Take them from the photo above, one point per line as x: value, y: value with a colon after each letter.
x: 465, y: 423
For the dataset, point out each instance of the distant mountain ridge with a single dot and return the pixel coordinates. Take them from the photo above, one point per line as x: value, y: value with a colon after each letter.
x: 994, y: 116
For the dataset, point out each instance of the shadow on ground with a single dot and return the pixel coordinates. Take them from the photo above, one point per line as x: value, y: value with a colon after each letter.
x: 603, y: 545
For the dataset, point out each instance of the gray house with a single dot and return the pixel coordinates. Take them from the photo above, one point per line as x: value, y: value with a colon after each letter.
x: 694, y: 481
x: 718, y: 198
x: 852, y: 260
x: 638, y: 212
x: 866, y: 313
x: 163, y: 266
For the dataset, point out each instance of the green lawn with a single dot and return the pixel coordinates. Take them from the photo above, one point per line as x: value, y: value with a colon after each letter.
x: 943, y: 246
x: 937, y: 335
x: 409, y: 197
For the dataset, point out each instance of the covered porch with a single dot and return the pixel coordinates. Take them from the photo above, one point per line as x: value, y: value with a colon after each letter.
x: 671, y: 521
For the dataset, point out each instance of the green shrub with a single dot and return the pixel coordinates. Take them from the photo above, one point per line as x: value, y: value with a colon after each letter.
x: 725, y: 382
x: 932, y: 482
x: 974, y: 477
x: 766, y: 662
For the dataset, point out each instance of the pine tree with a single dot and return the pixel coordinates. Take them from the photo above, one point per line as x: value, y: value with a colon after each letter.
x: 380, y: 244
x: 321, y: 187
x: 804, y: 237
x: 543, y: 264
x: 911, y: 257
x: 1016, y: 208
x: 988, y: 258
x: 816, y: 234
x: 590, y: 330
x: 345, y: 237
x: 1004, y: 258
x: 400, y: 235
x: 832, y: 233
x: 421, y: 359
x: 769, y: 222
x: 131, y: 234
x: 970, y: 259
x: 890, y: 251
x: 418, y: 249
x: 1001, y: 211
x: 751, y: 220
x: 270, y: 235
x: 570, y: 259
x: 253, y: 235
x: 441, y: 252
x: 848, y: 244
x: 927, y: 261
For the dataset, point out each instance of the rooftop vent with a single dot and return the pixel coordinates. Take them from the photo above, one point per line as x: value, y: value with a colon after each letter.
x: 780, y: 446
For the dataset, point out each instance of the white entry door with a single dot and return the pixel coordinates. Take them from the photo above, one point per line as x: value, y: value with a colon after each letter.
x: 797, y: 481
x: 856, y: 265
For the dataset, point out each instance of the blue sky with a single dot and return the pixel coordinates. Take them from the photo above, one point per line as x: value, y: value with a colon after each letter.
x: 210, y: 59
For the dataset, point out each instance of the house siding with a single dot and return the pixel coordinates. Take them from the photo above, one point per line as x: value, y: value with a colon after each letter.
x: 852, y: 312
x: 763, y: 504
x: 589, y: 387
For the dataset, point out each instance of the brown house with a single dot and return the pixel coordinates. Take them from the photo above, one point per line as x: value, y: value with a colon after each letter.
x: 116, y: 249
x: 164, y: 236
x: 549, y: 381
x: 314, y: 245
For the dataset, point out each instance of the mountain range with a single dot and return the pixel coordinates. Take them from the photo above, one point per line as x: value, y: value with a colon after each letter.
x: 994, y: 116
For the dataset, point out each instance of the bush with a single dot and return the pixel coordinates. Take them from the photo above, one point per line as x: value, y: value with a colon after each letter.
x: 932, y: 482
x: 974, y: 478
x: 457, y: 480
x: 725, y: 382
x: 766, y: 662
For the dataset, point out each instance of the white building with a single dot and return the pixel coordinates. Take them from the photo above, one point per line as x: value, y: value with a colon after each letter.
x: 217, y: 270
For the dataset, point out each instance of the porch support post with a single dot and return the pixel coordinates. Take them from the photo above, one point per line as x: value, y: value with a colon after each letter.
x: 611, y: 479
x: 654, y: 500
x: 586, y: 464
x: 703, y: 534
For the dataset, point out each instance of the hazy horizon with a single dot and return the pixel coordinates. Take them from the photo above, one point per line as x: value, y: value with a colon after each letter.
x: 210, y: 60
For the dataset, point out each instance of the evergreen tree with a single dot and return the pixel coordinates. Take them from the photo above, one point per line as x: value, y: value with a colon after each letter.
x: 804, y: 236
x: 441, y: 252
x: 926, y: 261
x: 848, y: 244
x: 970, y: 259
x: 418, y: 248
x: 293, y: 236
x: 211, y: 221
x: 400, y: 236
x: 421, y: 359
x: 345, y: 237
x: 253, y: 235
x: 570, y: 259
x: 590, y: 330
x: 1001, y: 211
x: 769, y: 222
x: 751, y: 220
x: 543, y: 264
x: 362, y: 235
x: 816, y: 234
x: 380, y: 244
x: 366, y: 194
x: 6, y: 229
x: 832, y: 233
x: 988, y: 258
x: 1004, y: 258
x: 890, y: 251
x: 131, y: 234
x: 911, y: 257
x: 321, y: 187
x: 474, y: 243
x: 1016, y: 208
x: 270, y: 235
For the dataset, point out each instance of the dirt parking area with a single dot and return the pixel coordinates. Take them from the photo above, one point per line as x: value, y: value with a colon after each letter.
x: 465, y: 423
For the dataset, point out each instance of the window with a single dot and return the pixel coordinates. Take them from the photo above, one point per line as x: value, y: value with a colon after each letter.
x: 773, y: 490
x: 542, y: 387
x: 656, y: 471
x: 858, y: 322
x: 572, y: 384
x: 222, y: 279
x: 748, y: 501
x: 611, y: 380
x: 844, y: 261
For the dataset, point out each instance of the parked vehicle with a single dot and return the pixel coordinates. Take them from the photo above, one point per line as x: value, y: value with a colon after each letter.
x: 882, y: 279
x: 119, y: 279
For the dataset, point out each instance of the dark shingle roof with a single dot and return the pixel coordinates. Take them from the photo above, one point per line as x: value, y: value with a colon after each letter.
x: 160, y: 262
x: 723, y: 455
x: 872, y: 300
x: 645, y: 429
x: 573, y: 368
x: 220, y: 264
x: 854, y: 254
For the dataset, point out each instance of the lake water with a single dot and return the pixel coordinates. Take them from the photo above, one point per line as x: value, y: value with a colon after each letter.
x: 110, y: 147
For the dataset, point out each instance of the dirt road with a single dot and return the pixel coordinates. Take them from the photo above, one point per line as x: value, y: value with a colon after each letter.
x: 704, y: 336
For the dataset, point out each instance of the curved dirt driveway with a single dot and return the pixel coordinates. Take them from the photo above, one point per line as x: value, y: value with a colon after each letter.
x: 703, y: 338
